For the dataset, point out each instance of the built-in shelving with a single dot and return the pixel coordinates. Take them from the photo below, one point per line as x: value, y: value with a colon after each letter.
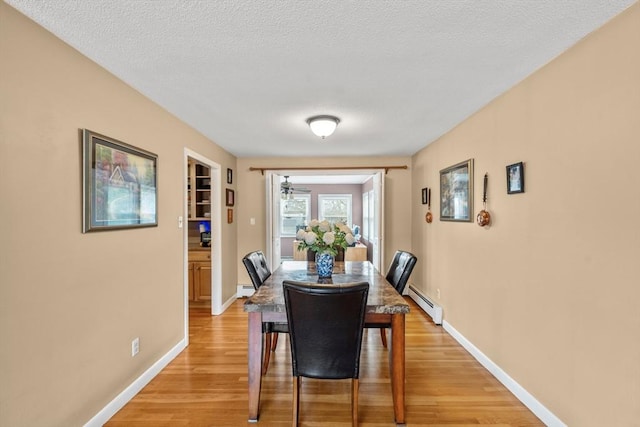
x: 198, y: 192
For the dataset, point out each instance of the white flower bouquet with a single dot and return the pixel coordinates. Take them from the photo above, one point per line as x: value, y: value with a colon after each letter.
x: 325, y: 237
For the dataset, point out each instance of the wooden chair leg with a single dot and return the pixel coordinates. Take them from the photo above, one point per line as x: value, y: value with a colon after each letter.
x: 383, y: 335
x: 354, y: 401
x: 266, y: 353
x: 296, y: 400
x: 274, y: 342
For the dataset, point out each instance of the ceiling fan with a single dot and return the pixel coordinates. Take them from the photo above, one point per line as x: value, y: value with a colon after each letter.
x: 288, y: 190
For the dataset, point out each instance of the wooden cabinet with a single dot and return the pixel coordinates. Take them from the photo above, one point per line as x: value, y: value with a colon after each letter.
x: 199, y: 275
x: 198, y: 192
x: 298, y: 255
x: 356, y: 253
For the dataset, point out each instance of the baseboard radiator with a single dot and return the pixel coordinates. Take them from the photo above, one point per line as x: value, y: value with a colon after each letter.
x: 244, y: 291
x: 425, y: 303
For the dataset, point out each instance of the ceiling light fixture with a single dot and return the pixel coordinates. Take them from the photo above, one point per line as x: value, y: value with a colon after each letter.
x: 323, y: 126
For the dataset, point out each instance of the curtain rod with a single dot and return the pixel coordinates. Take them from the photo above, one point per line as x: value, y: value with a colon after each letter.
x: 318, y: 168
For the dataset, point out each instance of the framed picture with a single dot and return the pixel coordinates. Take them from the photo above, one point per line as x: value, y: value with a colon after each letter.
x: 229, y: 216
x: 119, y: 184
x: 515, y: 178
x: 229, y: 176
x: 456, y: 192
x: 230, y: 197
x: 426, y: 196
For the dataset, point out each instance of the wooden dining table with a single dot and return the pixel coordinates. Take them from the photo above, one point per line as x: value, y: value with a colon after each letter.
x: 384, y: 305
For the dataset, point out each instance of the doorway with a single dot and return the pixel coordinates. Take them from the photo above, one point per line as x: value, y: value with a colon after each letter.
x: 194, y: 218
x: 274, y: 200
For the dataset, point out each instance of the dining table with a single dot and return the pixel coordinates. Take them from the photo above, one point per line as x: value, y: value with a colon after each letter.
x: 384, y: 305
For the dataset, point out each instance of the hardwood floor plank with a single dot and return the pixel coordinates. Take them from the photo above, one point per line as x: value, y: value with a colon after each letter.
x: 206, y: 385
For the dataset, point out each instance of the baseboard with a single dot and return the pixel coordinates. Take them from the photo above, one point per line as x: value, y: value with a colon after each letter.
x: 545, y: 415
x: 227, y: 304
x: 134, y: 388
x: 430, y: 307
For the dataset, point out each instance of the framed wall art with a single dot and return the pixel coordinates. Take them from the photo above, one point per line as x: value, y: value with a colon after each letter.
x: 229, y: 216
x: 456, y: 192
x: 515, y: 178
x: 230, y: 201
x: 119, y: 184
x: 229, y: 176
x: 426, y: 195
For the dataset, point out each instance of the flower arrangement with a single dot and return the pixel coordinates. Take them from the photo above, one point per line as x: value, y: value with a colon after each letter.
x: 325, y: 237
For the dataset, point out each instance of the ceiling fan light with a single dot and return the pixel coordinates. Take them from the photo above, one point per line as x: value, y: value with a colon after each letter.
x: 323, y: 126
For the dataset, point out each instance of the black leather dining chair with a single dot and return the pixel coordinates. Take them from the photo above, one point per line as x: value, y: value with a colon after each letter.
x: 398, y: 275
x: 256, y: 265
x: 325, y: 332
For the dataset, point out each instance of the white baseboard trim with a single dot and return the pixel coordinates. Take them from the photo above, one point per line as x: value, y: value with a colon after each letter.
x: 228, y: 303
x: 545, y: 415
x: 134, y: 388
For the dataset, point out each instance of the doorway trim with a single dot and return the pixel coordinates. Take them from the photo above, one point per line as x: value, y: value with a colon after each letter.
x: 216, y: 239
x: 273, y: 208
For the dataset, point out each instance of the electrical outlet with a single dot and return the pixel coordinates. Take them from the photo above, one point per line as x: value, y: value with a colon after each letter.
x: 438, y: 292
x: 135, y: 346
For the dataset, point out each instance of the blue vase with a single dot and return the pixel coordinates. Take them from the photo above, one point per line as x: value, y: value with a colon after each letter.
x: 324, y: 265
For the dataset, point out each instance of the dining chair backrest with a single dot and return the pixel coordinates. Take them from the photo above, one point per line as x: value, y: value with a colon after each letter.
x: 400, y: 269
x: 325, y: 328
x: 256, y: 265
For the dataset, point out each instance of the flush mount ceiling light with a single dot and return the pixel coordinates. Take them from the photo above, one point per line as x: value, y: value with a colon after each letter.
x: 323, y: 126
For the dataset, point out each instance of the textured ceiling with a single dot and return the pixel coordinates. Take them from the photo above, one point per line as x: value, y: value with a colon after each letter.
x: 248, y: 73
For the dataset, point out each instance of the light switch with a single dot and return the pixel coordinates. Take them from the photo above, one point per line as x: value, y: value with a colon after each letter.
x: 180, y: 222
x: 252, y: 221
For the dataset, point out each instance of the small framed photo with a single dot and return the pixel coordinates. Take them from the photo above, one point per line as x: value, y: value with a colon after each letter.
x: 229, y: 176
x: 426, y: 196
x: 229, y: 216
x: 515, y: 178
x: 230, y: 201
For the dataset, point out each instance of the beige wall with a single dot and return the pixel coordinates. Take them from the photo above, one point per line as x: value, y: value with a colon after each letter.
x: 550, y: 291
x: 251, y: 201
x: 70, y: 303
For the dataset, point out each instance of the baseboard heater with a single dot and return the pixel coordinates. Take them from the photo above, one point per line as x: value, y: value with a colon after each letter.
x: 430, y: 307
x: 244, y: 291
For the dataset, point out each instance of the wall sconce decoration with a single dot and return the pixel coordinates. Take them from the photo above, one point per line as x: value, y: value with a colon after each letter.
x: 484, y: 218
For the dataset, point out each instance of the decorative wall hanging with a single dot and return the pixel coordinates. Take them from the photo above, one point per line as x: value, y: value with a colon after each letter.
x: 230, y: 197
x: 456, y: 192
x: 426, y: 200
x: 229, y: 216
x: 229, y: 176
x: 484, y: 218
x: 515, y: 178
x: 119, y: 185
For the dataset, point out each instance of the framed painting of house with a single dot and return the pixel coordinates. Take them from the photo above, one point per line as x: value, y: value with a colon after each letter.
x: 119, y: 184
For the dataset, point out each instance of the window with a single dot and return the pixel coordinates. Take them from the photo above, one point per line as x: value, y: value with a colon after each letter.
x: 335, y: 208
x: 368, y: 215
x: 294, y: 213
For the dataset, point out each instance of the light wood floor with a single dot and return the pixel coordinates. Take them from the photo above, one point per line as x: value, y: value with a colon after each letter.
x: 206, y: 385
